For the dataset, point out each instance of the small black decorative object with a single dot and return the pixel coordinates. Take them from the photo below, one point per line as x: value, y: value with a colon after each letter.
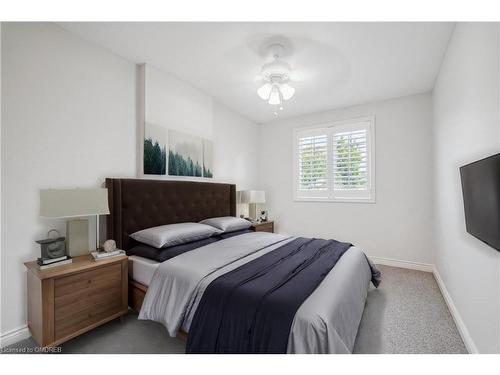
x: 263, y: 215
x: 53, y: 247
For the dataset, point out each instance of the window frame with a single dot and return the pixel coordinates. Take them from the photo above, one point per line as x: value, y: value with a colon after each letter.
x: 331, y: 194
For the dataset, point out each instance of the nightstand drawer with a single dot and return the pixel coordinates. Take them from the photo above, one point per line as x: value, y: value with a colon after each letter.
x: 86, y: 298
x: 72, y: 318
x: 100, y: 278
x: 64, y: 307
x: 264, y: 227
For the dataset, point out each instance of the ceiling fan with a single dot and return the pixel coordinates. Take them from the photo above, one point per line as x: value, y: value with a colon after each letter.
x: 276, y: 79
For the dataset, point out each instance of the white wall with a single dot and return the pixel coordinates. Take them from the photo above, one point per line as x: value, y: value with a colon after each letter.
x: 467, y: 128
x: 175, y: 104
x: 398, y: 225
x: 236, y: 141
x: 69, y: 119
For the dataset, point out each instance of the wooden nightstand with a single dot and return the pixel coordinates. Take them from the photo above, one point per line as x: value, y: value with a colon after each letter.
x: 68, y: 300
x: 265, y: 226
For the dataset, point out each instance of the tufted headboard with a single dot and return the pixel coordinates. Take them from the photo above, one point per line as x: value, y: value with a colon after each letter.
x: 136, y: 204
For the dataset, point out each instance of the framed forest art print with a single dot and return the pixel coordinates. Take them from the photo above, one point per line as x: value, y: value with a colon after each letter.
x: 174, y: 153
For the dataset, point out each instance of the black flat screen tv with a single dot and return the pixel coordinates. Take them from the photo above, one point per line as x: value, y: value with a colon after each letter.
x: 481, y: 194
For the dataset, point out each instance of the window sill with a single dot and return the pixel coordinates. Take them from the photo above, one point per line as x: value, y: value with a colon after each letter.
x: 337, y: 200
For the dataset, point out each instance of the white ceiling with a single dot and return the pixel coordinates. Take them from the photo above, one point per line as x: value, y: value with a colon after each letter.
x: 339, y: 64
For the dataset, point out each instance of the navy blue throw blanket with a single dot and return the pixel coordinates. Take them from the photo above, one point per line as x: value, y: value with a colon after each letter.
x: 251, y: 309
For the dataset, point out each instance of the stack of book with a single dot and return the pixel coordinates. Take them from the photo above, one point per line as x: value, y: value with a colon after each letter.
x: 45, y: 263
x: 99, y: 255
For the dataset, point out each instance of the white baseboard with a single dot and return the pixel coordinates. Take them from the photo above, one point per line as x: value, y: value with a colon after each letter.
x: 13, y: 336
x: 462, y: 329
x: 403, y: 264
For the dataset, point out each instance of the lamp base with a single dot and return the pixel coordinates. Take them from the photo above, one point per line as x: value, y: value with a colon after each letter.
x: 77, y: 237
x: 252, y: 211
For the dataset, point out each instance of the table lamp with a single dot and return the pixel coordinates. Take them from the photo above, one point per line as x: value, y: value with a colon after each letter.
x: 252, y: 198
x: 73, y: 204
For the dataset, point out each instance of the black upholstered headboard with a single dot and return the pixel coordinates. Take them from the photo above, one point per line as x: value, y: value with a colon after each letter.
x: 137, y: 204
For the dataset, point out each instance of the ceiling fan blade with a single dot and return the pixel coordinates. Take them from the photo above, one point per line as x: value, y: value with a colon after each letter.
x: 296, y: 76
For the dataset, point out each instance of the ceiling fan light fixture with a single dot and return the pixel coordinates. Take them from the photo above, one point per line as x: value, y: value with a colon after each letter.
x: 275, y: 68
x: 265, y: 91
x: 287, y: 91
x: 275, y: 77
x: 275, y: 96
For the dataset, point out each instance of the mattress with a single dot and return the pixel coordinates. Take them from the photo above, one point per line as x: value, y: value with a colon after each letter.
x: 141, y: 269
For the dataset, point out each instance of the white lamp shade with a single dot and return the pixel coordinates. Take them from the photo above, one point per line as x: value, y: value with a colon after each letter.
x: 265, y: 91
x: 287, y: 91
x: 253, y: 196
x: 65, y: 203
x: 274, y: 96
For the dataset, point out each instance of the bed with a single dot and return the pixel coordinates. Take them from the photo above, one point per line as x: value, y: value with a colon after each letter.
x: 170, y: 292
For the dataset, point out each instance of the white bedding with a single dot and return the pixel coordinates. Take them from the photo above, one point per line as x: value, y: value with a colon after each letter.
x: 327, y: 321
x: 141, y: 269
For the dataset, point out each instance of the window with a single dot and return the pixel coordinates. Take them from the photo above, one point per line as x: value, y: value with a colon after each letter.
x: 335, y: 162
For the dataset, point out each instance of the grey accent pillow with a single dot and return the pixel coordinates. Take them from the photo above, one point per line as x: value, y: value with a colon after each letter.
x: 227, y: 223
x: 174, y: 234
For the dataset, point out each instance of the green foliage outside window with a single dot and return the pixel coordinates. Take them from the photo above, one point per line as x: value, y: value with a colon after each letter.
x: 313, y: 167
x: 349, y: 173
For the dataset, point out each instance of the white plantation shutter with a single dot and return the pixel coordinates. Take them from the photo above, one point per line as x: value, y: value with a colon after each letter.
x: 313, y: 163
x: 350, y: 163
x: 335, y: 162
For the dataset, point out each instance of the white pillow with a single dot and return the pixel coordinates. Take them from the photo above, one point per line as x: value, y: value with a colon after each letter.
x: 227, y: 223
x: 174, y: 234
